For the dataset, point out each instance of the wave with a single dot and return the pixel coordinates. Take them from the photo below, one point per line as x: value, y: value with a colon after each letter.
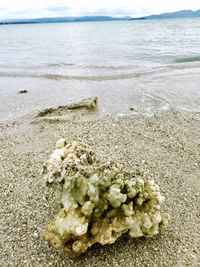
x: 187, y: 59
x: 74, y: 77
x: 59, y: 64
x: 129, y: 75
x: 120, y: 67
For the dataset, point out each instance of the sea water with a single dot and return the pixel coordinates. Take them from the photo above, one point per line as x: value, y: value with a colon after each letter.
x: 148, y: 65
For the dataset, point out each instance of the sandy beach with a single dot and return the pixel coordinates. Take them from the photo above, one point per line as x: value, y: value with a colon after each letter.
x: 165, y: 147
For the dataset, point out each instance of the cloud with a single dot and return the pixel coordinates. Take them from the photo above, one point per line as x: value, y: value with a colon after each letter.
x: 55, y: 8
x: 58, y: 8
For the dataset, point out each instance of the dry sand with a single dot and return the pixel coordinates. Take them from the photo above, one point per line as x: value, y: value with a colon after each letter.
x: 166, y: 147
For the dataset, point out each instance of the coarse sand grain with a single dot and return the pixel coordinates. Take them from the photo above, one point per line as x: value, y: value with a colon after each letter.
x: 165, y: 147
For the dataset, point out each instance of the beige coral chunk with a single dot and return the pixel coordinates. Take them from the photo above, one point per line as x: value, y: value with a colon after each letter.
x: 99, y: 200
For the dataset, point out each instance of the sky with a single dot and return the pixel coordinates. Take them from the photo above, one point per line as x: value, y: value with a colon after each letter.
x: 18, y: 9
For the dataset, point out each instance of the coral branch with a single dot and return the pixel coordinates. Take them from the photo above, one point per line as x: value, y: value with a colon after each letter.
x: 100, y: 201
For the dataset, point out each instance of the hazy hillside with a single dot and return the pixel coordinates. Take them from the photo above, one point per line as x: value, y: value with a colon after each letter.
x: 62, y: 19
x: 177, y: 14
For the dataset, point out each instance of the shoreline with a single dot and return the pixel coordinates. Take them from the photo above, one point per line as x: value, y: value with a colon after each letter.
x: 164, y: 146
x: 148, y: 95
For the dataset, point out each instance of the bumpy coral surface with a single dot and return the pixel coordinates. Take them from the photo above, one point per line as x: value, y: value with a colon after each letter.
x: 99, y: 200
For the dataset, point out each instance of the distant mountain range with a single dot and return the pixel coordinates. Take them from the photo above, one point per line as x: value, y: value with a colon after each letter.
x: 178, y: 14
x: 63, y: 19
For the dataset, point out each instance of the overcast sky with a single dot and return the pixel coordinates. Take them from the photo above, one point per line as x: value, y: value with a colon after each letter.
x: 57, y: 8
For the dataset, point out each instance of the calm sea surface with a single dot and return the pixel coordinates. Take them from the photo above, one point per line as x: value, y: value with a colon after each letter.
x: 149, y: 65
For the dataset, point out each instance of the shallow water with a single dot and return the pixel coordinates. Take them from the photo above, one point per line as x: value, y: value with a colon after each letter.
x: 149, y: 65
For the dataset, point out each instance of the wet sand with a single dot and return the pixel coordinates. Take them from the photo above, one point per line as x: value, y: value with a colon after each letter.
x: 166, y: 147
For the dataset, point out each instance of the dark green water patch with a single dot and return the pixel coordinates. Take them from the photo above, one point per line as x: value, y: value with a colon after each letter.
x: 187, y: 59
